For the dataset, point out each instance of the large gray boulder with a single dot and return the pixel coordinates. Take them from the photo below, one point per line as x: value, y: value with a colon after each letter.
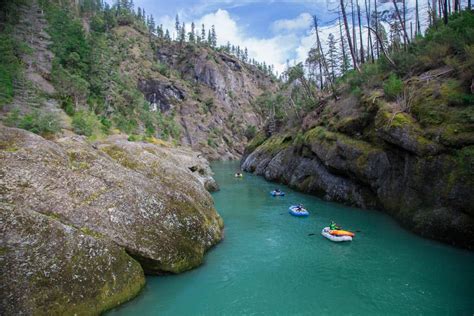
x: 103, y: 198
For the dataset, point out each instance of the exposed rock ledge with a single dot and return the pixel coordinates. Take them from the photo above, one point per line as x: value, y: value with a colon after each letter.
x: 432, y: 194
x: 69, y: 209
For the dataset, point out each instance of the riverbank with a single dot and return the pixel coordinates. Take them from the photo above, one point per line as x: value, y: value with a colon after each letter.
x: 269, y: 263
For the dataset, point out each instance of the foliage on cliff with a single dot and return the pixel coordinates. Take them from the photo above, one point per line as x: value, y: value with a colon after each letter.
x: 110, y: 72
x: 398, y: 137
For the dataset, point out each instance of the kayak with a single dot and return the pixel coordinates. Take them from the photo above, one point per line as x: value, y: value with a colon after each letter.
x: 326, y: 233
x: 237, y: 175
x: 293, y: 210
x: 275, y: 193
x: 340, y: 232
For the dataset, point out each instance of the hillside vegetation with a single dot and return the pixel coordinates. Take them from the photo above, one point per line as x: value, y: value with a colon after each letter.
x: 99, y: 70
x: 397, y: 136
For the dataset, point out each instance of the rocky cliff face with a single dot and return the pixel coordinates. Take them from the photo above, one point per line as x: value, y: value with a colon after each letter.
x: 370, y: 154
x: 208, y: 93
x: 73, y: 213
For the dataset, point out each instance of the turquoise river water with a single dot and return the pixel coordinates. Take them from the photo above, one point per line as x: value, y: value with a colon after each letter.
x: 270, y: 263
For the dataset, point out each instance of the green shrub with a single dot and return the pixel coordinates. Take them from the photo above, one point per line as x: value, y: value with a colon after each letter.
x: 393, y: 87
x: 208, y: 105
x: 86, y: 123
x: 250, y: 132
x: 452, y: 91
x: 37, y: 122
x: 162, y: 69
x: 134, y: 138
x: 9, y: 68
x: 211, y: 143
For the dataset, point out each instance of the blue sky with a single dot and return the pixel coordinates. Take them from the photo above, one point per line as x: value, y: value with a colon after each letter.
x: 273, y: 30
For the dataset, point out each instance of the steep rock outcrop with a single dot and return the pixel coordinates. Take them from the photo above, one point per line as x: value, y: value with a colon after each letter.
x: 208, y: 94
x: 373, y: 156
x: 149, y: 200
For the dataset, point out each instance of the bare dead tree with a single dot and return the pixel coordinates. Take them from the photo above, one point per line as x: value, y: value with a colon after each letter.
x: 377, y: 28
x: 348, y: 34
x: 343, y: 46
x: 323, y: 57
x: 402, y: 23
x: 362, y: 57
x: 354, y: 37
x: 370, y: 47
x: 417, y: 19
x: 445, y: 13
x: 382, y: 48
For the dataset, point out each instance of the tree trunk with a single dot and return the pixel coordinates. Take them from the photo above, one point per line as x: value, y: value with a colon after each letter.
x: 382, y: 47
x: 433, y: 11
x: 354, y: 37
x: 344, y: 57
x: 445, y: 13
x: 321, y: 52
x: 404, y: 18
x: 348, y: 34
x: 369, y: 35
x: 417, y: 20
x: 401, y: 21
x: 362, y: 57
x: 377, y: 29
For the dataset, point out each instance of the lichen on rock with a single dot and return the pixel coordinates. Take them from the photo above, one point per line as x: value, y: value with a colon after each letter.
x: 137, y: 197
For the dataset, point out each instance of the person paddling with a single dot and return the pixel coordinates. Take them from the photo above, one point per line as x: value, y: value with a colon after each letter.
x: 334, y: 226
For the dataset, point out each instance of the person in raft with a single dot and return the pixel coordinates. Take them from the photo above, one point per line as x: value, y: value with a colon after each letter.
x: 299, y: 207
x: 277, y: 191
x: 334, y: 226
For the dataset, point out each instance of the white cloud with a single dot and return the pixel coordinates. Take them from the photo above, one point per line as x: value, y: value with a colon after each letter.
x: 302, y: 22
x: 274, y: 50
x: 292, y: 38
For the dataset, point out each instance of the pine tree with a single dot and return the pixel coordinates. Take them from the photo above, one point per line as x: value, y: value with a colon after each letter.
x: 203, y: 34
x: 151, y: 24
x: 177, y: 27
x: 167, y: 35
x: 213, y: 37
x: 182, y: 34
x: 192, y: 33
x: 246, y: 54
x: 227, y: 47
x: 332, y: 55
x: 209, y: 38
x: 159, y: 31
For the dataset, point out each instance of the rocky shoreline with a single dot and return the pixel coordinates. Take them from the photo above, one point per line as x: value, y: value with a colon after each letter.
x: 424, y: 186
x: 82, y: 222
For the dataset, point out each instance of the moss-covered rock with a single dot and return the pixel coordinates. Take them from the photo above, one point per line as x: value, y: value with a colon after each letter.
x: 147, y: 199
x: 373, y: 154
x: 49, y: 268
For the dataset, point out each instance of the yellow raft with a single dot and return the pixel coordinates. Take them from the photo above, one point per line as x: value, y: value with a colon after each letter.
x: 339, y: 232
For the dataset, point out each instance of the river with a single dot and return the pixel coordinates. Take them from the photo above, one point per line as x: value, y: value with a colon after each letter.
x: 271, y: 263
